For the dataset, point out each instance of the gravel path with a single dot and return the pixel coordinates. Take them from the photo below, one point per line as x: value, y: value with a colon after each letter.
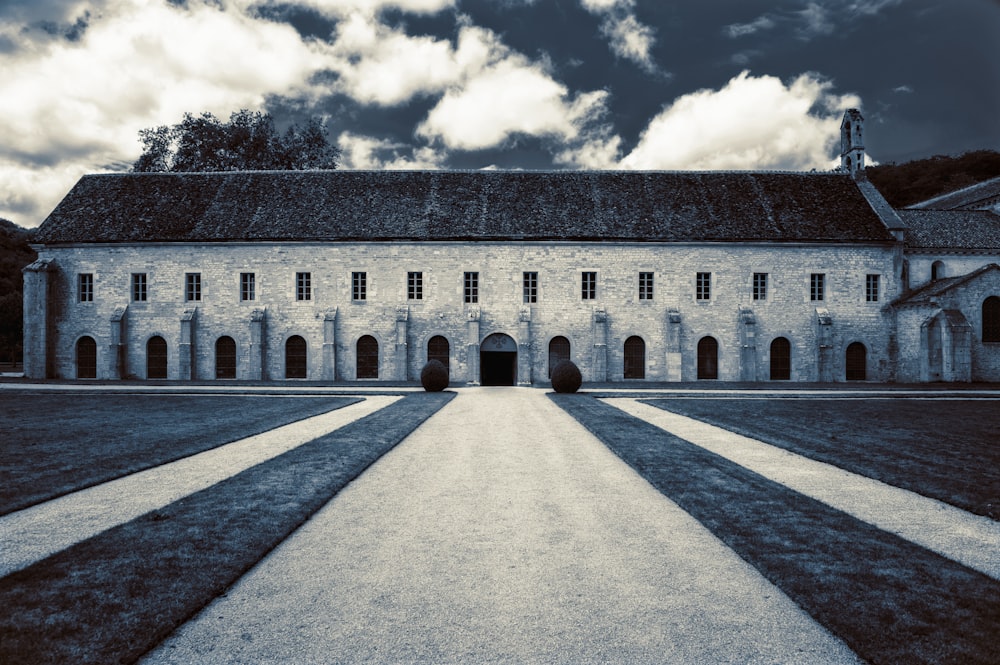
x: 34, y: 533
x: 972, y: 540
x: 502, y: 531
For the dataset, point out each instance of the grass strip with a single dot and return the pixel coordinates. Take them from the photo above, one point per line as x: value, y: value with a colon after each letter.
x: 890, y: 600
x: 113, y: 597
x: 54, y: 444
x: 940, y: 449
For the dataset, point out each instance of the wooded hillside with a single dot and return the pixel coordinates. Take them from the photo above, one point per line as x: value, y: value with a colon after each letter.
x: 912, y: 182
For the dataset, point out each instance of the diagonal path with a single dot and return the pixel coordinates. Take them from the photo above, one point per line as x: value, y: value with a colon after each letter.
x: 502, y: 531
x: 34, y: 533
x: 970, y: 539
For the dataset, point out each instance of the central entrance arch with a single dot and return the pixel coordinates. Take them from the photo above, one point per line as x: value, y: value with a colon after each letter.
x: 498, y: 360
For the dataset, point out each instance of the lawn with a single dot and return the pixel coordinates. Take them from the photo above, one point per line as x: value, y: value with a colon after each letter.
x: 945, y: 449
x: 111, y: 598
x: 890, y: 600
x: 54, y: 444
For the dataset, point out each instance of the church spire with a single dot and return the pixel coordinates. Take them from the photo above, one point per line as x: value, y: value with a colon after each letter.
x: 852, y: 143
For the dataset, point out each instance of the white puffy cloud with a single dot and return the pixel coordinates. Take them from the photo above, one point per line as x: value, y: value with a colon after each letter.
x: 366, y: 152
x: 80, y: 104
x: 508, y: 98
x: 750, y: 123
x: 378, y: 65
x: 627, y: 37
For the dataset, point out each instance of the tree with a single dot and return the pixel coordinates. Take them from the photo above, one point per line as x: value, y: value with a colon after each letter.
x: 15, y: 254
x: 248, y: 142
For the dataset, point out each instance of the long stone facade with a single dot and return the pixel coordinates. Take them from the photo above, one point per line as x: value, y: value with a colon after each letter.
x: 667, y: 315
x: 650, y: 276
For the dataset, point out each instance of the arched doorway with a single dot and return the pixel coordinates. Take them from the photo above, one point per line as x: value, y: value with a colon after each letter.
x: 156, y: 358
x: 225, y: 358
x: 498, y: 360
x: 86, y: 358
x: 438, y: 349
x: 857, y: 362
x: 367, y: 357
x: 635, y: 358
x: 559, y: 350
x: 781, y: 359
x: 296, y: 355
x: 708, y: 358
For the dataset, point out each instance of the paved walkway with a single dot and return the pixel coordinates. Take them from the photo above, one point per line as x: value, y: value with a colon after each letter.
x: 34, y: 533
x: 970, y: 539
x: 502, y: 531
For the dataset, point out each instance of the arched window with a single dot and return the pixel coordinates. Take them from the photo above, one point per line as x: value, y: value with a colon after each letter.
x: 156, y: 358
x: 857, y: 362
x: 296, y: 358
x: 991, y: 319
x: 367, y: 357
x: 635, y: 358
x: 438, y: 349
x: 225, y: 358
x: 558, y: 351
x: 86, y: 358
x: 781, y: 359
x: 937, y: 270
x: 708, y: 358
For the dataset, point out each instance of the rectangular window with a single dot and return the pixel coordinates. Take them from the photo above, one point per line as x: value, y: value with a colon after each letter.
x: 303, y: 286
x: 871, y: 288
x: 588, y: 286
x: 138, y: 287
x: 359, y: 286
x: 703, y: 286
x: 645, y: 286
x: 471, y: 287
x: 415, y: 285
x: 816, y: 291
x: 192, y: 286
x: 760, y: 286
x: 530, y: 287
x: 248, y: 286
x: 86, y: 287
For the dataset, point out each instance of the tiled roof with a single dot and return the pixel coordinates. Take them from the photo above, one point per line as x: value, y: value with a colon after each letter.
x: 458, y: 205
x: 951, y: 229
x: 962, y: 198
x: 926, y: 294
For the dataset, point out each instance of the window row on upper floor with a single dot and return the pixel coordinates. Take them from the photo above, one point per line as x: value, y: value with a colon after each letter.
x: 304, y: 290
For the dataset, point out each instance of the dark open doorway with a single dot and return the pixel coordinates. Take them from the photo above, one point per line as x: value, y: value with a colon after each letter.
x: 498, y: 360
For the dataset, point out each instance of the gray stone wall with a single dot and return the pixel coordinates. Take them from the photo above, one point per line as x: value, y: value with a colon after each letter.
x: 331, y: 322
x: 915, y: 347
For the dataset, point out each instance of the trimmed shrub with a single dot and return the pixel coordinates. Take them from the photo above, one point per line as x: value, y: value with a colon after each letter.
x: 566, y: 377
x: 434, y: 376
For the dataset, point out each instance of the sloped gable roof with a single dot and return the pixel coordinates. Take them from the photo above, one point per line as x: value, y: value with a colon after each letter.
x: 951, y: 229
x: 461, y: 205
x: 962, y: 198
x: 927, y: 293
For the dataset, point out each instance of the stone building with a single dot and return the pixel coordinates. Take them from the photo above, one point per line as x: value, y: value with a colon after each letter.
x: 656, y: 276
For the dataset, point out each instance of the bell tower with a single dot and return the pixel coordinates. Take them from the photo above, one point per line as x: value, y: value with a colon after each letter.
x: 852, y: 143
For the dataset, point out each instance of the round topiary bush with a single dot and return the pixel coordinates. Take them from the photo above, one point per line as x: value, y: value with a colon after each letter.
x: 434, y: 376
x: 566, y: 377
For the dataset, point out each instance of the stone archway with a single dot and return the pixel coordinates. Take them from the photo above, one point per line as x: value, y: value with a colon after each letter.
x: 498, y: 360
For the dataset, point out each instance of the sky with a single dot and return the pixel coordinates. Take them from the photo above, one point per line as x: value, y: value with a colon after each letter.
x: 497, y: 84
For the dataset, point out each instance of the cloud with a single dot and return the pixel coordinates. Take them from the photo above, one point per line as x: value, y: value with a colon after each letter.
x: 366, y: 152
x: 80, y: 104
x: 750, y: 123
x: 742, y: 29
x: 379, y: 65
x: 628, y: 38
x: 511, y: 97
